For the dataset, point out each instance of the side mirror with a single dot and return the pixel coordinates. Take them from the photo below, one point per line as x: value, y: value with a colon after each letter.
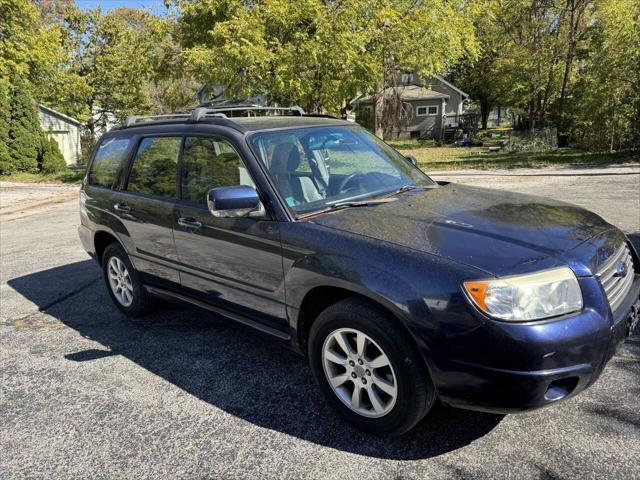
x: 236, y: 201
x: 412, y: 159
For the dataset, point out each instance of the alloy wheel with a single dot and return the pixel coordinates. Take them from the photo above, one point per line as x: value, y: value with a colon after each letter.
x: 359, y: 372
x: 120, y: 281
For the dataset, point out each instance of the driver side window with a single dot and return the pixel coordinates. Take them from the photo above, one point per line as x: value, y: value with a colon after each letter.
x: 210, y: 163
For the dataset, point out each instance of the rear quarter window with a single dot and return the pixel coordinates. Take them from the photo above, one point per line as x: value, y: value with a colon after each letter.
x: 109, y: 157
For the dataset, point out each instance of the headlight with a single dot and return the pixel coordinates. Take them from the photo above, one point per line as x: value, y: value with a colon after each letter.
x: 527, y: 297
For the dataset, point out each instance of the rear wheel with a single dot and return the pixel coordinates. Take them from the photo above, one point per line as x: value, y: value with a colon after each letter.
x: 368, y: 369
x: 123, y: 282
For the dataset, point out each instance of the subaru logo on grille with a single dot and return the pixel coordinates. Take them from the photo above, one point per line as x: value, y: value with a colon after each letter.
x: 621, y: 269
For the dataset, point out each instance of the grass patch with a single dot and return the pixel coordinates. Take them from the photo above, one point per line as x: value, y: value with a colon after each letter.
x: 68, y: 176
x: 453, y: 158
x: 412, y: 144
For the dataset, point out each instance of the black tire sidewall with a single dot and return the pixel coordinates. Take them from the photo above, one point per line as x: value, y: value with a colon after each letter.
x: 416, y: 393
x: 139, y: 305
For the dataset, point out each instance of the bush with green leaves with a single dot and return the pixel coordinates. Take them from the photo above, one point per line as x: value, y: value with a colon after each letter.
x: 51, y: 160
x: 5, y: 109
x: 25, y: 134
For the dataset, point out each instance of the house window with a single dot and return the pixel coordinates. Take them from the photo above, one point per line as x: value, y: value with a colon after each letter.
x: 405, y: 78
x: 424, y: 111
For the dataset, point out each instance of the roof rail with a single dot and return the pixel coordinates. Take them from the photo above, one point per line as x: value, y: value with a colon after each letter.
x: 133, y: 119
x: 200, y: 113
x: 321, y: 115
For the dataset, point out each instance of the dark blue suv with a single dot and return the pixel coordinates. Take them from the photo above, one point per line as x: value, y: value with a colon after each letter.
x: 398, y: 289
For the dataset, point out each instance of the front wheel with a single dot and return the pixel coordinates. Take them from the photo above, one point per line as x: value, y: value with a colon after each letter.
x: 368, y: 369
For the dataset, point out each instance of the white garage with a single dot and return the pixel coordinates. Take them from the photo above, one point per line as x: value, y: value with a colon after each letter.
x: 64, y: 129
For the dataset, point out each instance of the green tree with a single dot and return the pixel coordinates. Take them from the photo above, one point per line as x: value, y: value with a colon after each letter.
x: 304, y: 53
x: 33, y: 48
x: 52, y: 160
x: 24, y: 129
x: 317, y: 53
x: 605, y: 110
x: 121, y: 60
x: 428, y: 37
x: 479, y: 76
x: 5, y: 116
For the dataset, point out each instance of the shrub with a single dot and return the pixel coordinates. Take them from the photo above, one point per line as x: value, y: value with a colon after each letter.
x: 5, y: 109
x: 537, y: 141
x: 52, y: 160
x: 24, y: 130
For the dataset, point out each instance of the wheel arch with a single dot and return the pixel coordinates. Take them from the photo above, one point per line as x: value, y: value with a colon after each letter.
x: 319, y: 298
x: 101, y: 240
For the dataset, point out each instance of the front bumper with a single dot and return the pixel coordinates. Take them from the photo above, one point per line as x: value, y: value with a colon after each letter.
x: 508, y: 367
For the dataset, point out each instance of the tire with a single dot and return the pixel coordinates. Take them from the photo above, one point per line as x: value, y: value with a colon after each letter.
x: 407, y: 372
x: 114, y: 255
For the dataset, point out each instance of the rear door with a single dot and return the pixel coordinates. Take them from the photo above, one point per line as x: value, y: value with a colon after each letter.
x: 98, y: 194
x: 234, y: 263
x: 146, y: 208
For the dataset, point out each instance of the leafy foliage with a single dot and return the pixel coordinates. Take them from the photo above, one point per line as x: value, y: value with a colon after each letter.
x: 319, y: 53
x: 5, y: 113
x: 573, y: 64
x: 570, y: 64
x: 51, y: 160
x: 606, y: 110
x: 24, y: 130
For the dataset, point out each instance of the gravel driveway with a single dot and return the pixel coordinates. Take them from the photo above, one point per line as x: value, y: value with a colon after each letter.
x: 87, y: 393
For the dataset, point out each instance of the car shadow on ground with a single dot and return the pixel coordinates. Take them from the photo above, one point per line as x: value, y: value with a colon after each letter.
x: 232, y: 368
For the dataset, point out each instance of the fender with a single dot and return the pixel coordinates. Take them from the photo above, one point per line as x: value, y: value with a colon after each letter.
x: 98, y: 219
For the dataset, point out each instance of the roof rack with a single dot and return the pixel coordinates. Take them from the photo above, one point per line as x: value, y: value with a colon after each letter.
x: 133, y: 119
x: 200, y: 113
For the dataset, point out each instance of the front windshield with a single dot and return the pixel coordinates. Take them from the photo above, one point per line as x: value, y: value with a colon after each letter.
x: 314, y: 168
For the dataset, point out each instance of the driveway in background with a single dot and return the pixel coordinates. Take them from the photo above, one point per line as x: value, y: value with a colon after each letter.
x: 87, y: 393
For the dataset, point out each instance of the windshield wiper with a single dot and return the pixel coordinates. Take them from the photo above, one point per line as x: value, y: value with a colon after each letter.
x: 351, y: 203
x: 346, y: 204
x: 404, y: 188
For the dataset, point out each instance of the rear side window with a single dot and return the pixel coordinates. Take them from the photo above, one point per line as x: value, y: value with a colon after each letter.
x: 107, y: 160
x: 155, y: 167
x: 210, y: 163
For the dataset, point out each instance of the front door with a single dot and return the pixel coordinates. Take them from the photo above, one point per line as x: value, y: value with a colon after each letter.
x: 146, y: 208
x: 235, y: 263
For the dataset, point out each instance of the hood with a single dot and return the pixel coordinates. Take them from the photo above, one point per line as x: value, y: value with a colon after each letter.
x: 496, y: 231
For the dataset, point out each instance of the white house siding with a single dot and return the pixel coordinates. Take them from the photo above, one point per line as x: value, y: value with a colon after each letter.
x: 65, y: 130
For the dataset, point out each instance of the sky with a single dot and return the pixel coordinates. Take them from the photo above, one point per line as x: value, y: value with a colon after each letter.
x: 154, y: 6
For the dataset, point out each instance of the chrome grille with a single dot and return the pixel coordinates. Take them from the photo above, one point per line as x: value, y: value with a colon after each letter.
x: 617, y: 286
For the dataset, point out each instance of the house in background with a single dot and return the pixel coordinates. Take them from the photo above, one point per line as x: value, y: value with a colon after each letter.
x: 432, y: 106
x: 64, y: 129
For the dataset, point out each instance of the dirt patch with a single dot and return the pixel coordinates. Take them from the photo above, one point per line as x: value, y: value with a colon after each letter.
x: 21, y: 199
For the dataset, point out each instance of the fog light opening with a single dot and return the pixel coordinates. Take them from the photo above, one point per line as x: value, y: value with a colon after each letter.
x: 560, y: 388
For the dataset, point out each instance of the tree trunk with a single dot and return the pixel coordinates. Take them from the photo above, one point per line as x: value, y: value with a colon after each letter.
x: 485, y: 109
x: 568, y: 63
x: 613, y: 128
x: 378, y: 111
x: 577, y: 9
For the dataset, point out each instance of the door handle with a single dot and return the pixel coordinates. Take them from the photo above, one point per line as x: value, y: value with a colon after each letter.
x: 122, y: 207
x: 189, y: 222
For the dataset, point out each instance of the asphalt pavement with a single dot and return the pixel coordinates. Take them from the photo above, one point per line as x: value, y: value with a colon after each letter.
x: 88, y: 393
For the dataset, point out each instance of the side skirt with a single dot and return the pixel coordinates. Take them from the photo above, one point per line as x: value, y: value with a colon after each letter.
x: 169, y: 295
